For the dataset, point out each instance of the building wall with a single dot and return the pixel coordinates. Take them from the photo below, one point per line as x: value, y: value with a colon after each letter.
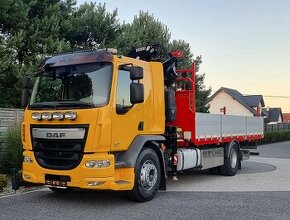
x: 233, y: 107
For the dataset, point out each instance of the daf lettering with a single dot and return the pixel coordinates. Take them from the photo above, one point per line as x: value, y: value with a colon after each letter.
x: 55, y: 135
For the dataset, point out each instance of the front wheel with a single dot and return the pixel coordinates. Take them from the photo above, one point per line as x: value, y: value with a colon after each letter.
x: 147, y: 176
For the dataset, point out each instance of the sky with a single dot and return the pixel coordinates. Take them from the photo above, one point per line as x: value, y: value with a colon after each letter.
x: 245, y: 44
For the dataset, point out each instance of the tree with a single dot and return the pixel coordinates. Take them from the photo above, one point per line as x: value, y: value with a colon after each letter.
x: 36, y: 30
x: 32, y: 29
x: 29, y: 31
x: 91, y: 26
x: 202, y: 93
x: 10, y: 79
x: 144, y: 30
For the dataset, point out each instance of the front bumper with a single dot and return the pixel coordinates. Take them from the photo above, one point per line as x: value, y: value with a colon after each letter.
x: 81, y: 176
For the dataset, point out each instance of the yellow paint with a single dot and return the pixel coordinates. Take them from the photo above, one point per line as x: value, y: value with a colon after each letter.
x: 108, y: 132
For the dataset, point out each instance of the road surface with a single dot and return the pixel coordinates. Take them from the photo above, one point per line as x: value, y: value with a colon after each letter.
x: 261, y: 190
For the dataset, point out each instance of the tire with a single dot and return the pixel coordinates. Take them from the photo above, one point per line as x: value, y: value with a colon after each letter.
x: 147, y: 176
x: 231, y: 160
x: 59, y: 190
x: 214, y: 171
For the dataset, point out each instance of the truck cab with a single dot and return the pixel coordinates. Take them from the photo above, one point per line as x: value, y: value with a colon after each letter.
x: 89, y: 116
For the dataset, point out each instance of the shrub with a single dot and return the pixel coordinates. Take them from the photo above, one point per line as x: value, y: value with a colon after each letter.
x: 3, y: 181
x: 276, y: 136
x: 12, y: 157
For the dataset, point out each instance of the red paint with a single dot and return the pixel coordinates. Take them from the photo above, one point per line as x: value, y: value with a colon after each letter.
x: 177, y: 53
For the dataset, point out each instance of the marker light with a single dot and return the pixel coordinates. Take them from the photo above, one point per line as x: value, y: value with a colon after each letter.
x: 98, y: 163
x: 27, y: 177
x: 70, y: 115
x: 27, y: 159
x: 57, y: 115
x: 179, y: 133
x: 36, y: 116
x: 46, y: 116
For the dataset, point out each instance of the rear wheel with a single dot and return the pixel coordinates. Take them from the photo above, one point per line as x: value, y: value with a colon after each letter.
x: 147, y: 176
x: 231, y: 160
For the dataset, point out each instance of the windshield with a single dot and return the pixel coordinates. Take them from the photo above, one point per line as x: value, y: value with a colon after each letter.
x: 76, y: 86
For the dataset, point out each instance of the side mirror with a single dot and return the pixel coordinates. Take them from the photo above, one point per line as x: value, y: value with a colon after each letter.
x: 136, y: 93
x: 26, y: 83
x: 136, y: 72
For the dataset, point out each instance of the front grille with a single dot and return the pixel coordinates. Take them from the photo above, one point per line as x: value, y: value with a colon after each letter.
x: 59, y: 154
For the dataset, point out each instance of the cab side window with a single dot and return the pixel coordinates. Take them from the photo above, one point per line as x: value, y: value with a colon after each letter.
x: 123, y: 92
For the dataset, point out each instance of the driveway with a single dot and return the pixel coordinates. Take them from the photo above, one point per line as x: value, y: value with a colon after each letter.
x: 261, y: 190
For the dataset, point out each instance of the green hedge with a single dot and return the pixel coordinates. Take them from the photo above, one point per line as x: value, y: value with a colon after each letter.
x: 276, y: 136
x: 3, y: 181
x: 12, y: 158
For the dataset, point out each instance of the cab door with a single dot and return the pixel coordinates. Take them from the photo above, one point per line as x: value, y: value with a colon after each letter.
x: 127, y: 119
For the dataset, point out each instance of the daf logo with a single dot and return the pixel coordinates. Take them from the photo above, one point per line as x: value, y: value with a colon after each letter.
x: 55, y: 135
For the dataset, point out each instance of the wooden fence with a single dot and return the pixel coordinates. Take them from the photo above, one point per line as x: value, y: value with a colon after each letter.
x: 8, y: 118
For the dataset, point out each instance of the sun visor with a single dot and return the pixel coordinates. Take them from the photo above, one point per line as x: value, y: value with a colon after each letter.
x: 77, y: 58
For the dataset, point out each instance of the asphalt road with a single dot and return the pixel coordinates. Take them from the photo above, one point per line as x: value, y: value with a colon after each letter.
x: 261, y: 190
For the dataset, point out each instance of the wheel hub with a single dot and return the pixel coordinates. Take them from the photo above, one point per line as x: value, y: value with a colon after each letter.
x: 234, y: 158
x: 148, y: 175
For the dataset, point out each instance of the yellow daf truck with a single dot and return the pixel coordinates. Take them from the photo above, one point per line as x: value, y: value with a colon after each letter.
x: 91, y: 122
x: 102, y: 121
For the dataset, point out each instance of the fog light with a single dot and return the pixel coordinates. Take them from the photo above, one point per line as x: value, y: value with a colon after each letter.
x: 98, y: 163
x: 70, y: 115
x: 95, y: 183
x: 57, y: 115
x: 36, y: 116
x: 27, y: 159
x: 46, y: 116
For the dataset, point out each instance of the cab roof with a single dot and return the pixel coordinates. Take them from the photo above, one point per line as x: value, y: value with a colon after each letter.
x: 79, y: 57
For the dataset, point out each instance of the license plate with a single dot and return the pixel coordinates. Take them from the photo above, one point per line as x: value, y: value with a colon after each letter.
x: 56, y: 183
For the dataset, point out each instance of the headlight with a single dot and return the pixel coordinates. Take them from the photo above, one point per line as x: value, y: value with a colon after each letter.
x: 57, y: 115
x: 46, y: 116
x: 36, y: 116
x: 70, y: 115
x: 98, y: 163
